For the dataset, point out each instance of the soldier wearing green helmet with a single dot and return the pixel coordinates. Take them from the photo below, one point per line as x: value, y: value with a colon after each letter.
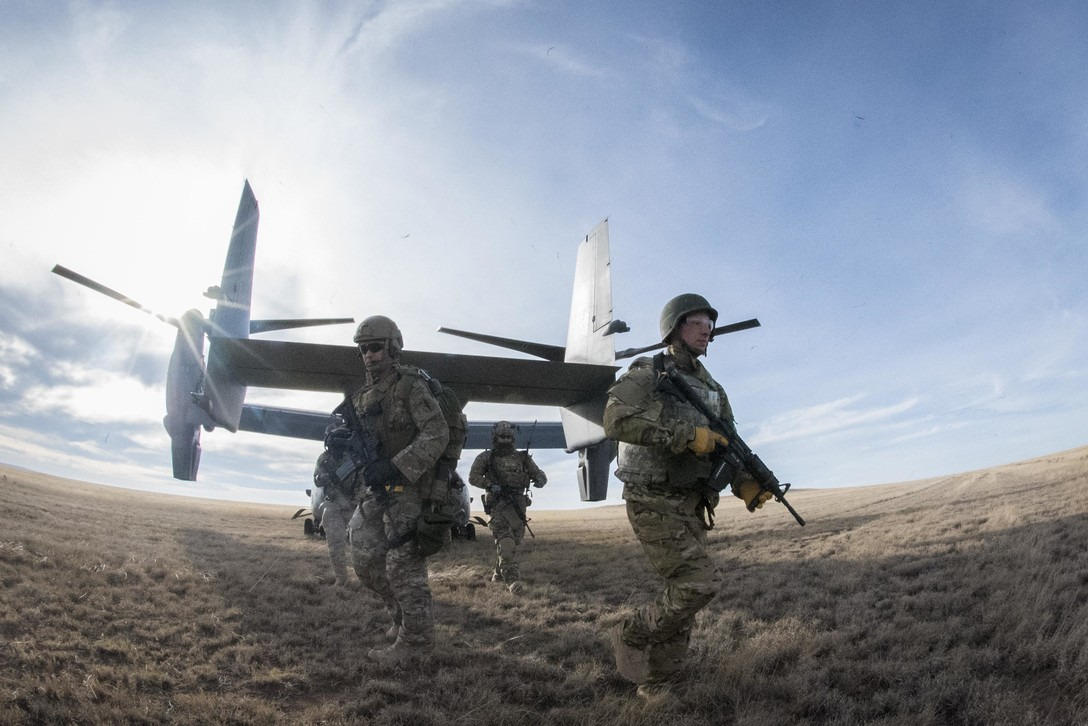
x: 664, y: 464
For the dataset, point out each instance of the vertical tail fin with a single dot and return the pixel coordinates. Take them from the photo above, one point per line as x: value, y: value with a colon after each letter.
x: 223, y: 396
x: 589, y: 340
x: 235, y: 293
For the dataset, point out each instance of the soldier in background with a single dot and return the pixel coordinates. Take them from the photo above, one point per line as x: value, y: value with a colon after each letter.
x: 505, y: 474
x: 398, y: 405
x: 337, y: 503
x: 664, y: 465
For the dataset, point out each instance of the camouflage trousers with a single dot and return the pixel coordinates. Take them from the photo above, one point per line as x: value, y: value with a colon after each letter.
x: 397, y: 575
x: 508, y: 530
x: 675, y: 544
x: 335, y: 515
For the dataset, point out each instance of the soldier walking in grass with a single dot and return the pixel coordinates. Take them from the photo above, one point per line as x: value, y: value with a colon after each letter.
x: 337, y: 503
x: 398, y: 407
x: 664, y: 465
x: 505, y: 474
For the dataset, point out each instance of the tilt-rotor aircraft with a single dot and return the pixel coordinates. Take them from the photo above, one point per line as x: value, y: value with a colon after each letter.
x: 208, y: 392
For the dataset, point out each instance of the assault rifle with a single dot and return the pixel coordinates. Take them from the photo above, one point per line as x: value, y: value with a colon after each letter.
x: 361, y: 449
x: 734, y: 456
x: 508, y: 495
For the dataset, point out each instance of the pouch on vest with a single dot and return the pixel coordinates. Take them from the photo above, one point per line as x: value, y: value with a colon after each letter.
x: 432, y: 532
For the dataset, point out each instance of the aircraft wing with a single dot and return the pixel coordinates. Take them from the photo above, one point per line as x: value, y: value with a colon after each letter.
x: 300, y: 424
x: 336, y: 368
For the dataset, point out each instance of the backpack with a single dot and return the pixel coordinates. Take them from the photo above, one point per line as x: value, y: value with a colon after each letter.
x: 453, y: 412
x: 448, y: 402
x: 433, y: 528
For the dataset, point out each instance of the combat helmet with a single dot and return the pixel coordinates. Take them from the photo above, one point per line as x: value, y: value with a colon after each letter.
x: 680, y: 306
x: 379, y: 327
x: 337, y: 437
x: 503, y: 430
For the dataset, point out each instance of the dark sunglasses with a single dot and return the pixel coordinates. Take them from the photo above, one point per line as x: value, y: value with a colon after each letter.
x: 373, y: 347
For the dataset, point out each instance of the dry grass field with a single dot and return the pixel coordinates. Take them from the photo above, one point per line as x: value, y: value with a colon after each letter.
x: 961, y: 600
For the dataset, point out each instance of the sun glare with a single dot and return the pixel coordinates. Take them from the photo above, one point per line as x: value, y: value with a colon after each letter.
x: 152, y: 228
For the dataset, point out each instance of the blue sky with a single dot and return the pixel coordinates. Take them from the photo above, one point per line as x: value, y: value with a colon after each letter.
x: 896, y: 190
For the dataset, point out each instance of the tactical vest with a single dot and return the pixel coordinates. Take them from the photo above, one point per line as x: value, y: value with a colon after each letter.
x: 656, y: 467
x: 510, y: 470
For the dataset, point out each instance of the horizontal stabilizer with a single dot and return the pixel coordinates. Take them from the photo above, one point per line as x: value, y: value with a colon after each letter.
x: 538, y: 435
x: 311, y: 425
x: 292, y: 422
x: 553, y: 353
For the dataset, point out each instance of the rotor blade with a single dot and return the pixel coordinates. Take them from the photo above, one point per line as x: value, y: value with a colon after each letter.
x: 100, y: 288
x: 553, y: 353
x: 632, y: 352
x: 723, y: 330
x: 734, y: 327
x: 265, y: 326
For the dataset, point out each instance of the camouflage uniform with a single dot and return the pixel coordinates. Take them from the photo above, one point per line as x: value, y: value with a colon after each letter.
x: 669, y: 504
x: 511, y: 470
x: 413, y: 434
x: 335, y: 512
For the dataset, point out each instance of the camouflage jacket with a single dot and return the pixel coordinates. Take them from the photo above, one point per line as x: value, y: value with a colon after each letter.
x: 410, y: 424
x: 654, y: 428
x: 326, y: 479
x: 514, y: 470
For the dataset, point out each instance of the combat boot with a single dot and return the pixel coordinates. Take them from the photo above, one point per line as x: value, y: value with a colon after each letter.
x: 400, y: 653
x: 657, y: 695
x: 632, y: 663
x: 396, y: 617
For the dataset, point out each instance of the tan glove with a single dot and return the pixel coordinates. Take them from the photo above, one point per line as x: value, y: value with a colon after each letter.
x: 706, y: 441
x: 751, y: 493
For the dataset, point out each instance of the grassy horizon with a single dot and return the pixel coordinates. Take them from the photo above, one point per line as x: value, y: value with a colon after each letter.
x: 953, y: 600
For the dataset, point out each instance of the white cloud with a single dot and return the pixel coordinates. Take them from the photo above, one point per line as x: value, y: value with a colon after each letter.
x: 99, y: 397
x: 734, y: 114
x: 565, y: 59
x: 997, y: 203
x: 826, y: 418
x: 15, y: 353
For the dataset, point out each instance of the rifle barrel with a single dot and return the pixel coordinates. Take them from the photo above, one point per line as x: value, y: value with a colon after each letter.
x: 740, y: 450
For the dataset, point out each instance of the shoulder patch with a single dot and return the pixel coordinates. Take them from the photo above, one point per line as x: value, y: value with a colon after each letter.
x: 411, y: 371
